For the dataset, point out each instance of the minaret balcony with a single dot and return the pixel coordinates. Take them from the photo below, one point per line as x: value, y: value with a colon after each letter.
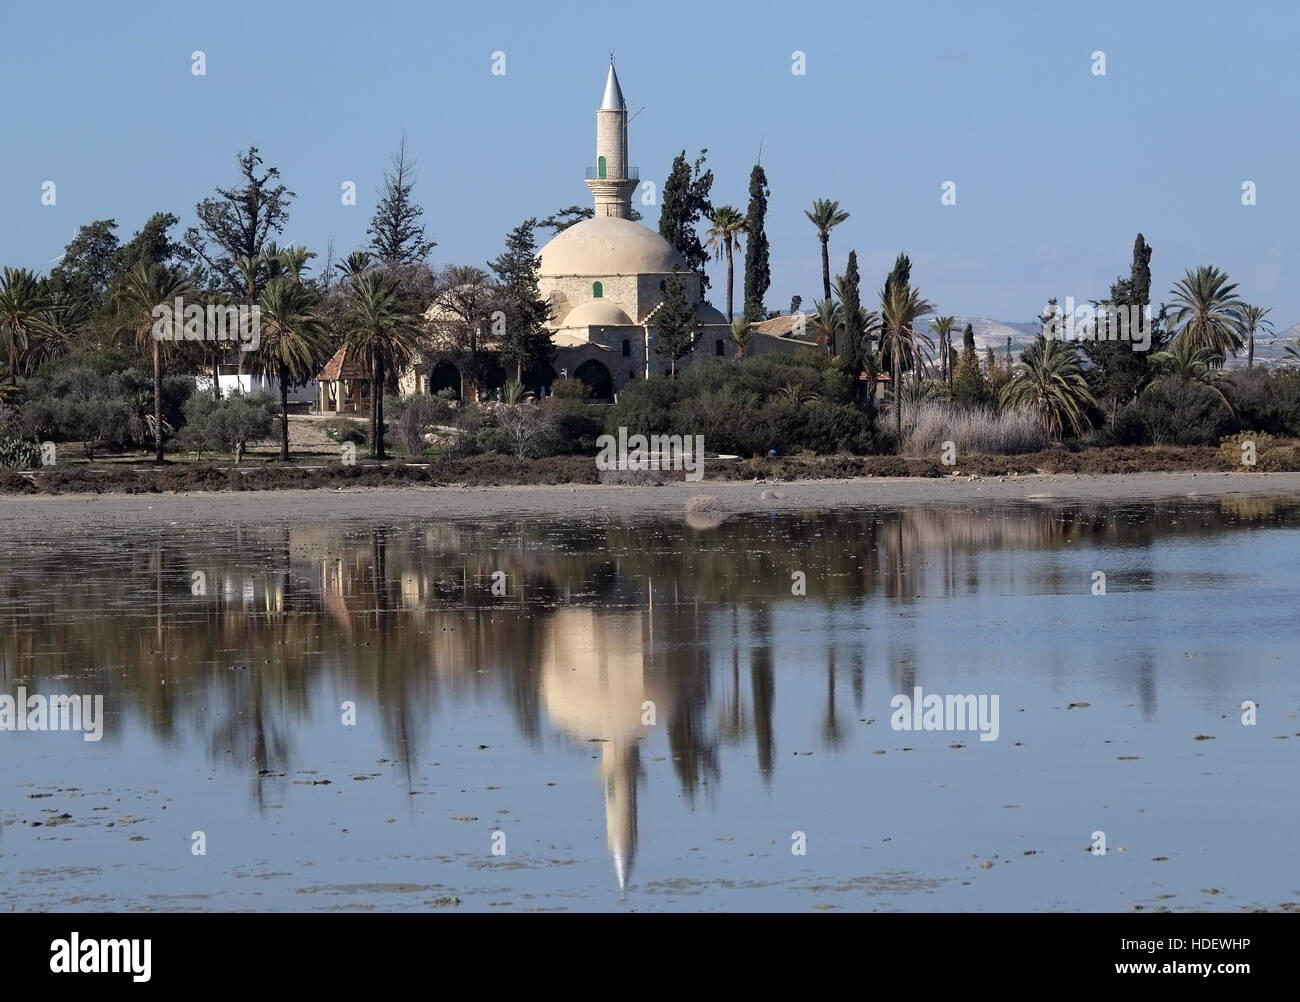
x: 631, y: 174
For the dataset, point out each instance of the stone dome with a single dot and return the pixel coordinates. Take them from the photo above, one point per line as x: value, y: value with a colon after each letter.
x: 607, y: 245
x: 596, y: 313
x: 708, y: 315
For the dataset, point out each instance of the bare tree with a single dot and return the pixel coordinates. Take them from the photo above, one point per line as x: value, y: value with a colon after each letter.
x: 522, y: 423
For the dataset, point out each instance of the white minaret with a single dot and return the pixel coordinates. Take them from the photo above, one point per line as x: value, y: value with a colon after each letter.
x: 612, y: 181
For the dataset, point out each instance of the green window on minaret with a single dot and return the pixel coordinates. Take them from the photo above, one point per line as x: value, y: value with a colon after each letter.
x: 597, y: 290
x: 600, y: 166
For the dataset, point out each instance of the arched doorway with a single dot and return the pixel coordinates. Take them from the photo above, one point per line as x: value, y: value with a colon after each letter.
x: 595, y: 375
x: 539, y: 379
x: 494, y: 380
x: 445, y: 376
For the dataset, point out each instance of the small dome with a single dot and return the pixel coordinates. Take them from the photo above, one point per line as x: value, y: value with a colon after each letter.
x: 708, y: 315
x: 596, y: 313
x: 606, y: 246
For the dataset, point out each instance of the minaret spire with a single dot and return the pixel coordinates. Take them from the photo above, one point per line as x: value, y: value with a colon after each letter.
x: 612, y: 181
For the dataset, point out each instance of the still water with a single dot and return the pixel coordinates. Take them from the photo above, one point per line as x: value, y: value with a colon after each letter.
x: 588, y: 713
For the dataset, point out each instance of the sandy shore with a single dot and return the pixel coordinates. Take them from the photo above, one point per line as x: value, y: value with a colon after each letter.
x: 32, y: 514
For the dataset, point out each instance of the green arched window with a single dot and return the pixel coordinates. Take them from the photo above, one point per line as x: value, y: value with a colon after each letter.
x: 600, y: 166
x: 597, y: 290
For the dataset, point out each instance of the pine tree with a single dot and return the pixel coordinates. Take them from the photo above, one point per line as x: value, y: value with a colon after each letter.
x: 758, y: 273
x: 675, y: 323
x: 396, y: 233
x: 685, y: 203
x: 527, y: 343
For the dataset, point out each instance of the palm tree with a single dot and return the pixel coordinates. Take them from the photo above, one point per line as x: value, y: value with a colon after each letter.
x: 794, y: 393
x: 1293, y: 349
x: 383, y: 330
x: 942, y: 327
x: 1049, y: 380
x: 56, y: 331
x: 827, y: 322
x: 353, y: 266
x: 25, y: 308
x: 1184, y: 360
x: 825, y: 215
x: 724, y: 237
x: 1208, y: 311
x: 292, y: 345
x: 145, y: 287
x: 742, y: 332
x: 899, y: 311
x: 295, y: 261
x: 1254, y: 318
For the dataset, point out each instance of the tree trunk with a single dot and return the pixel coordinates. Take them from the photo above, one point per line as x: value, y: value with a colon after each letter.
x: 374, y: 362
x: 1250, y: 354
x: 948, y: 338
x: 731, y: 314
x: 898, y: 397
x: 377, y: 391
x: 284, y: 414
x: 157, y: 404
x: 216, y: 374
x: 826, y: 266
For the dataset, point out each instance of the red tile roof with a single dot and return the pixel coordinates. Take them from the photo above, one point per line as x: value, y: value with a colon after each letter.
x: 346, y: 364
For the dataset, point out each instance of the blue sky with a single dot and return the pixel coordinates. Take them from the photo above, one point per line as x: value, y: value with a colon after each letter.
x: 1056, y: 169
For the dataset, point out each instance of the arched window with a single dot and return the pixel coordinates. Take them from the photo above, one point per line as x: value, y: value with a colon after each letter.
x: 600, y: 166
x: 627, y: 348
x: 719, y: 348
x: 597, y: 290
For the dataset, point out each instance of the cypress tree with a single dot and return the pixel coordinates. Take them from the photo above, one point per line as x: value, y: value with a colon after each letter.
x: 1116, y: 370
x: 851, y: 349
x: 758, y: 274
x: 685, y: 203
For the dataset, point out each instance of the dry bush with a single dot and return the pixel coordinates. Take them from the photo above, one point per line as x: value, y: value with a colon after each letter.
x: 978, y: 430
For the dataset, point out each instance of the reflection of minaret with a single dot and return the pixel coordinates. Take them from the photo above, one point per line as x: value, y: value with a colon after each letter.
x: 612, y: 181
x: 620, y: 765
x: 593, y: 685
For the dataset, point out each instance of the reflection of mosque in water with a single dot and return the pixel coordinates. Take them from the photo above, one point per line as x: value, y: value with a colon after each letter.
x: 596, y: 621
x: 594, y: 687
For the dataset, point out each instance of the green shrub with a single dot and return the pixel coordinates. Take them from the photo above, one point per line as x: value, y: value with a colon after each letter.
x: 229, y: 425
x: 1175, y: 411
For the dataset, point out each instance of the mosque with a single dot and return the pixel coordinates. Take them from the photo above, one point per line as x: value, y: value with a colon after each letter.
x: 605, y: 280
x: 605, y: 277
